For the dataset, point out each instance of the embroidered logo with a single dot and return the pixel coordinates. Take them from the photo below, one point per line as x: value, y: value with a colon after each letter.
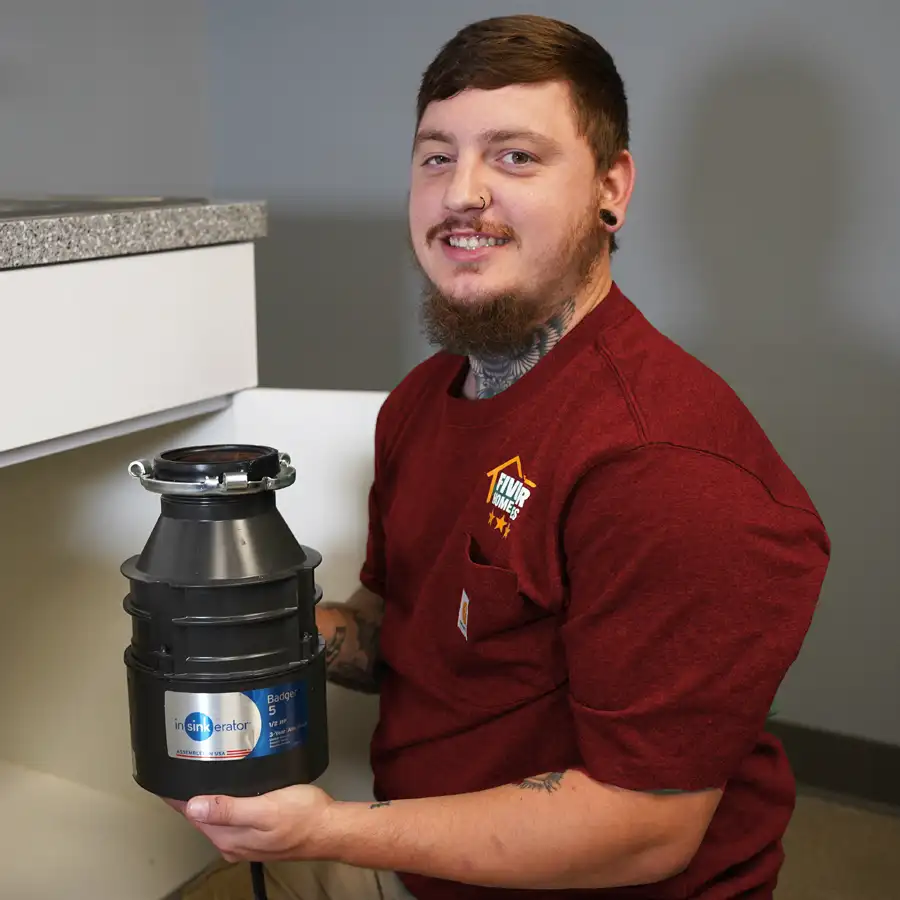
x: 507, y: 493
x: 462, y: 620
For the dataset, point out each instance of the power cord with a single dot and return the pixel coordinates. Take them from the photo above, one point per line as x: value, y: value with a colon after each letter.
x: 258, y: 877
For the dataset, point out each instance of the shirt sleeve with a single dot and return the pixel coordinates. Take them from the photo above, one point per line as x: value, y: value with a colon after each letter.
x: 691, y: 589
x: 372, y: 573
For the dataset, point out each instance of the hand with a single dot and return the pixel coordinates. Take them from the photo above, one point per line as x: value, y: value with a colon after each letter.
x: 287, y: 824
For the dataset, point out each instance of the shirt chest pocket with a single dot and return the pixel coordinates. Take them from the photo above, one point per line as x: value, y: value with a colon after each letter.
x: 502, y: 649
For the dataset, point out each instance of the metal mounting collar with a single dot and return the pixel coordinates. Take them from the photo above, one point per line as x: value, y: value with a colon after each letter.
x: 227, y: 484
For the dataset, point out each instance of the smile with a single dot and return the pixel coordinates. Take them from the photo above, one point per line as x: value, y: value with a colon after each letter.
x: 475, y: 242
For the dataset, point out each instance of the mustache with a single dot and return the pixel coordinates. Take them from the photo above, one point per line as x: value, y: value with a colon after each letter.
x: 479, y: 224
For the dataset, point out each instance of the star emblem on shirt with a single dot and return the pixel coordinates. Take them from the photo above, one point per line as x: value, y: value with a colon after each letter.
x: 500, y: 523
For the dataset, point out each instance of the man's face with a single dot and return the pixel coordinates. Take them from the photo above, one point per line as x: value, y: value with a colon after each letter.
x: 497, y: 274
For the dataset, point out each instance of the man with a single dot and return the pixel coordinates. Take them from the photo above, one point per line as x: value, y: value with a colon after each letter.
x: 587, y: 569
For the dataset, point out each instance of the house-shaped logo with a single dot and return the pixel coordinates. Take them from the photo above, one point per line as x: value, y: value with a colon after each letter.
x: 508, y: 490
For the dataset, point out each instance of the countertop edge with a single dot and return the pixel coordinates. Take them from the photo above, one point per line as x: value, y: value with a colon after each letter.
x: 53, y: 239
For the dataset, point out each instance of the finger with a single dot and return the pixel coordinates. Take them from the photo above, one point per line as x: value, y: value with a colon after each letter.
x: 252, y: 812
x: 177, y: 805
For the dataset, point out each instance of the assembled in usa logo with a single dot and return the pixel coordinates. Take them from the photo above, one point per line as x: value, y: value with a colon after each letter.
x: 507, y: 493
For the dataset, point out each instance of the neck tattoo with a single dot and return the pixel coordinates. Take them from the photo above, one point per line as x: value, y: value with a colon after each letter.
x: 494, y: 374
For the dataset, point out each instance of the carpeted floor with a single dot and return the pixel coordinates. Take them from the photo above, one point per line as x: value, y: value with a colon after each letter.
x: 839, y: 851
x: 835, y: 851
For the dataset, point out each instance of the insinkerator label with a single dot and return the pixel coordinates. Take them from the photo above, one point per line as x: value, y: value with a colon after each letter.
x: 236, y: 725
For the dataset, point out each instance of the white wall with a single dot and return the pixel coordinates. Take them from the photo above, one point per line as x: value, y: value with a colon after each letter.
x: 763, y: 236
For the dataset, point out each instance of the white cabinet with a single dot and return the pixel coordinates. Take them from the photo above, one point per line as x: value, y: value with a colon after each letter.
x: 156, y: 350
x: 94, y: 347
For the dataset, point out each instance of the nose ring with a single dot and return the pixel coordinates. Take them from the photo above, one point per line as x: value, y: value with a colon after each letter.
x: 483, y: 203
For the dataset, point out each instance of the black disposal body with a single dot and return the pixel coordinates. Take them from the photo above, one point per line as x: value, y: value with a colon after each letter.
x: 226, y: 669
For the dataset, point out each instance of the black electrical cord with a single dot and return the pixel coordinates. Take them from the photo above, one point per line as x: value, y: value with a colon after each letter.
x: 258, y: 877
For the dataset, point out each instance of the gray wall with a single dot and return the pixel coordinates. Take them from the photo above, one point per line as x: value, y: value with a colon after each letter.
x: 311, y: 110
x: 104, y: 96
x: 763, y: 236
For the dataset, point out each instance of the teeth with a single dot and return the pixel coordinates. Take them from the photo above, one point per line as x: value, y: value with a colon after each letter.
x: 473, y: 243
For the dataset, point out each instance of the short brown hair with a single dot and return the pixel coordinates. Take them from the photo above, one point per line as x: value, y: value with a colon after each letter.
x: 529, y: 49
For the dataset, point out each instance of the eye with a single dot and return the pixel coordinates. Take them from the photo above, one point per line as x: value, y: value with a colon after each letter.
x: 436, y: 160
x: 518, y: 158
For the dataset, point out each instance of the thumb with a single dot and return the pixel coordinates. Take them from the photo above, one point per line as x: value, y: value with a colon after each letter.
x: 252, y: 812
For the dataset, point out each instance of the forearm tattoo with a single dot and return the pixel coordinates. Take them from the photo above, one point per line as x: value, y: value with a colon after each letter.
x: 358, y: 669
x: 334, y: 644
x: 547, y: 783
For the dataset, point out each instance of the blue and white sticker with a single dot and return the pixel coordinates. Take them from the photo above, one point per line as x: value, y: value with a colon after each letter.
x: 236, y: 725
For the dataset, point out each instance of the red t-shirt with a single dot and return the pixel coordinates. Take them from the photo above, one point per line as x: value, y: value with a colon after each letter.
x: 606, y: 567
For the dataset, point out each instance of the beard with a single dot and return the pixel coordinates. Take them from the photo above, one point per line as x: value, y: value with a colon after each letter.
x: 491, y: 324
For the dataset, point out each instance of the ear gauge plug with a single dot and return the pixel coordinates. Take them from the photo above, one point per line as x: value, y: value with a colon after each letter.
x: 608, y: 218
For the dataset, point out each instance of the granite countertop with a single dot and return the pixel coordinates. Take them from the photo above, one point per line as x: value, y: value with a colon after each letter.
x: 44, y: 231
